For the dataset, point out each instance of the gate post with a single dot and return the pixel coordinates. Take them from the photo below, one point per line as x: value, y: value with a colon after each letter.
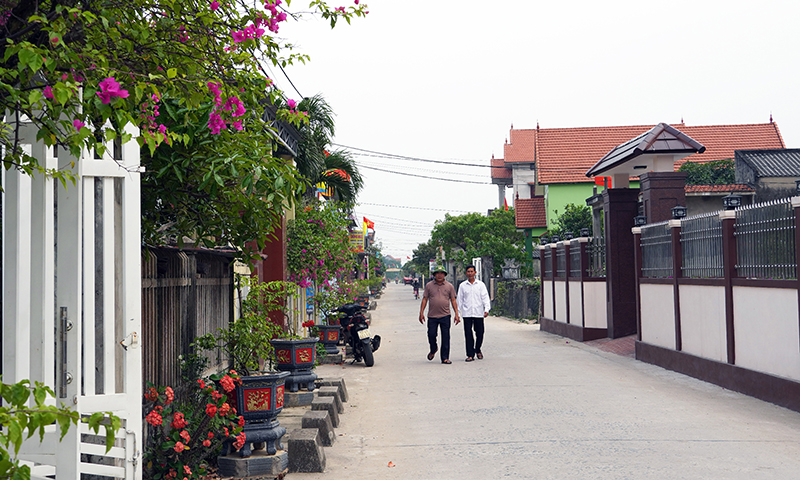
x: 620, y: 206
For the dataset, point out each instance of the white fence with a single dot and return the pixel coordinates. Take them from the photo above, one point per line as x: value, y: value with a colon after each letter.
x: 72, y: 301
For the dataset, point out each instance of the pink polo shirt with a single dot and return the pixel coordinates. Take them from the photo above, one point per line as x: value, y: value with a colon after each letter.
x: 439, y: 298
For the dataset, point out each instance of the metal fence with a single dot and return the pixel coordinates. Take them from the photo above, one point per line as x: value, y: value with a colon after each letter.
x: 596, y: 248
x: 561, y: 262
x: 765, y: 246
x: 575, y: 260
x: 656, y: 245
x: 701, y: 246
x: 548, y: 262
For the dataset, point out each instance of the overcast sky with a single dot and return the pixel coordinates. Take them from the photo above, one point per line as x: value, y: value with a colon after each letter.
x: 445, y: 80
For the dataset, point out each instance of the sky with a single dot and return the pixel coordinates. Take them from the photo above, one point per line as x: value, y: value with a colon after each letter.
x: 445, y: 80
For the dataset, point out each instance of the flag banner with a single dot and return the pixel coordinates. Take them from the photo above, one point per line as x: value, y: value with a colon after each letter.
x: 357, y: 241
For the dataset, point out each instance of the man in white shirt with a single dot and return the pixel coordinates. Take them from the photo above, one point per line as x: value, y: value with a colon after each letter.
x: 473, y: 300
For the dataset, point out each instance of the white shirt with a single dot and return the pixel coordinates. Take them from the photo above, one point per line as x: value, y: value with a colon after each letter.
x: 473, y: 299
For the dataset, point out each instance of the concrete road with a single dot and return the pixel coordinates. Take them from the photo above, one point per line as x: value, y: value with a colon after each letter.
x: 539, y: 406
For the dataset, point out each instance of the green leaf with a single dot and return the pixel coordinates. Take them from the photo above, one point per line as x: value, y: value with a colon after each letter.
x: 172, y: 72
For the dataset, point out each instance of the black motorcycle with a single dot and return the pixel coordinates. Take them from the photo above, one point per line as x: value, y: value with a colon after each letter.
x: 356, y: 333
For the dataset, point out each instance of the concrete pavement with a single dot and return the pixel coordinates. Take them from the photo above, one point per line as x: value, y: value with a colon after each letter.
x: 540, y: 406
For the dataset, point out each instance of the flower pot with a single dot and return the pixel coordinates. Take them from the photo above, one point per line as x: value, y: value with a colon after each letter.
x: 329, y: 335
x: 259, y: 400
x: 296, y: 357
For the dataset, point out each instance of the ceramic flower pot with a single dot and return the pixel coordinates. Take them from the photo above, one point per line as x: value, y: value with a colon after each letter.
x: 296, y: 357
x: 330, y: 335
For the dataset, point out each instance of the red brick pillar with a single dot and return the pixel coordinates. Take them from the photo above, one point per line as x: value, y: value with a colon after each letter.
x: 660, y: 192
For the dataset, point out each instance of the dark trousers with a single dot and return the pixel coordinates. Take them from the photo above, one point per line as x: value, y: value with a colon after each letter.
x: 444, y: 324
x: 473, y: 345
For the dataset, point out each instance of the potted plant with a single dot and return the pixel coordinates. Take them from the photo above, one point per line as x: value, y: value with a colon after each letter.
x: 258, y: 394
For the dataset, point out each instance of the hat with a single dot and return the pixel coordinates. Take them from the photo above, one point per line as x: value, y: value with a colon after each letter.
x: 439, y: 268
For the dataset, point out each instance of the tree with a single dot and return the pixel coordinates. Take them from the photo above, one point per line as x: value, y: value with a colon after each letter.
x: 471, y: 235
x: 717, y: 172
x: 317, y: 161
x: 574, y: 218
x: 187, y: 74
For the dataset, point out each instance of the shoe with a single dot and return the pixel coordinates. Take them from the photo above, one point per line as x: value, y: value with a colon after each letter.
x: 479, y: 355
x: 430, y: 355
x: 446, y: 361
x: 469, y: 359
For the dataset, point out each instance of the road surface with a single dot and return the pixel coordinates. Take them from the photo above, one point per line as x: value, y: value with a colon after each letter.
x: 543, y: 407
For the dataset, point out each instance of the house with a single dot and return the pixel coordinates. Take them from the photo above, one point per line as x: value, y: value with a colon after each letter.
x: 551, y: 163
x: 770, y: 174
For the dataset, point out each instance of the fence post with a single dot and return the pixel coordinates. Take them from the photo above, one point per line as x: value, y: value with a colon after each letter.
x: 677, y: 260
x: 637, y: 262
x: 796, y: 207
x: 566, y: 278
x: 728, y: 218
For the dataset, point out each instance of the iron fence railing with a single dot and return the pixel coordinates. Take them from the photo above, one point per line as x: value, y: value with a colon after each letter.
x: 596, y: 250
x: 548, y: 261
x: 765, y: 246
x: 575, y: 259
x: 701, y: 246
x: 656, y: 242
x: 561, y: 261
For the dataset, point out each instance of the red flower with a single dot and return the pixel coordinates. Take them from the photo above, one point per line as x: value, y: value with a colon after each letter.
x: 202, y: 383
x: 241, y: 421
x: 211, y: 409
x: 206, y: 443
x: 158, y: 408
x: 170, y: 395
x: 153, y: 418
x: 185, y: 436
x: 210, y: 434
x: 227, y: 383
x: 224, y: 409
x: 226, y: 431
x: 179, y: 447
x: 178, y: 422
x: 216, y: 395
x: 187, y: 470
x: 152, y: 394
x: 240, y: 439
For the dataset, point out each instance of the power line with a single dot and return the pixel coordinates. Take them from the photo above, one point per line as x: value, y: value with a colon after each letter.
x: 424, y: 176
x: 482, y: 175
x: 415, y: 159
x: 413, y: 208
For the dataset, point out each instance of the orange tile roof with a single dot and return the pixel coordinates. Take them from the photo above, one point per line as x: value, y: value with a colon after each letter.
x: 564, y: 155
x: 717, y: 188
x: 530, y: 212
x: 499, y: 169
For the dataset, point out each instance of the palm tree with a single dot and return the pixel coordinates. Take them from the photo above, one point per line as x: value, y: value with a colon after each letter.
x: 316, y: 161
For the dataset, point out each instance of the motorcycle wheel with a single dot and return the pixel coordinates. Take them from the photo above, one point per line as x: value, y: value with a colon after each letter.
x: 369, y: 359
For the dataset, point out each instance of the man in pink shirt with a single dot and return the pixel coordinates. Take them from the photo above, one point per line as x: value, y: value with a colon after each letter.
x: 440, y: 294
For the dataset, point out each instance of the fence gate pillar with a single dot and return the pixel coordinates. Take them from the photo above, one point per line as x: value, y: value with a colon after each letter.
x: 620, y: 206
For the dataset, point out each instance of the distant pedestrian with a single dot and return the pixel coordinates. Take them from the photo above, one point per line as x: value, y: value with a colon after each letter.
x: 475, y: 306
x: 441, y: 294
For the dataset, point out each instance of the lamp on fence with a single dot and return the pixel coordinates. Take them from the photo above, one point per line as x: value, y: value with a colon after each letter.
x: 640, y: 220
x: 797, y: 187
x: 678, y: 212
x: 544, y: 240
x: 568, y: 236
x: 731, y: 201
x: 556, y: 239
x: 585, y: 232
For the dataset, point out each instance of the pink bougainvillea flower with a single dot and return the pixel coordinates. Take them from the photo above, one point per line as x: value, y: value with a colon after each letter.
x: 48, y: 92
x: 340, y: 9
x: 216, y: 123
x: 291, y: 103
x: 356, y: 2
x: 238, y: 36
x: 214, y: 6
x: 78, y: 124
x: 110, y: 88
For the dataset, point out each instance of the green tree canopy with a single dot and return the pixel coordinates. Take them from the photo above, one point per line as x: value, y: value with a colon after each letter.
x: 574, y: 218
x: 717, y: 172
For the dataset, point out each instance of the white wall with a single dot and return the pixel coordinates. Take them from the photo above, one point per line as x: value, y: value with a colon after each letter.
x: 594, y: 297
x: 703, y: 321
x: 561, y: 302
x: 766, y: 330
x: 522, y: 175
x: 575, y: 304
x: 547, y: 302
x: 658, y: 315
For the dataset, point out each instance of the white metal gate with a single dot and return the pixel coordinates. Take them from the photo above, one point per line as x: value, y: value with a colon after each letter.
x: 72, y: 301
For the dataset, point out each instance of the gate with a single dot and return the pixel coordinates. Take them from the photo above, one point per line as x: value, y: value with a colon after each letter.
x: 72, y: 301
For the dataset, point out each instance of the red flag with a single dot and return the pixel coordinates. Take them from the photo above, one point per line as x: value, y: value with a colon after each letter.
x: 408, y: 258
x: 602, y: 181
x: 370, y: 224
x: 506, y: 202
